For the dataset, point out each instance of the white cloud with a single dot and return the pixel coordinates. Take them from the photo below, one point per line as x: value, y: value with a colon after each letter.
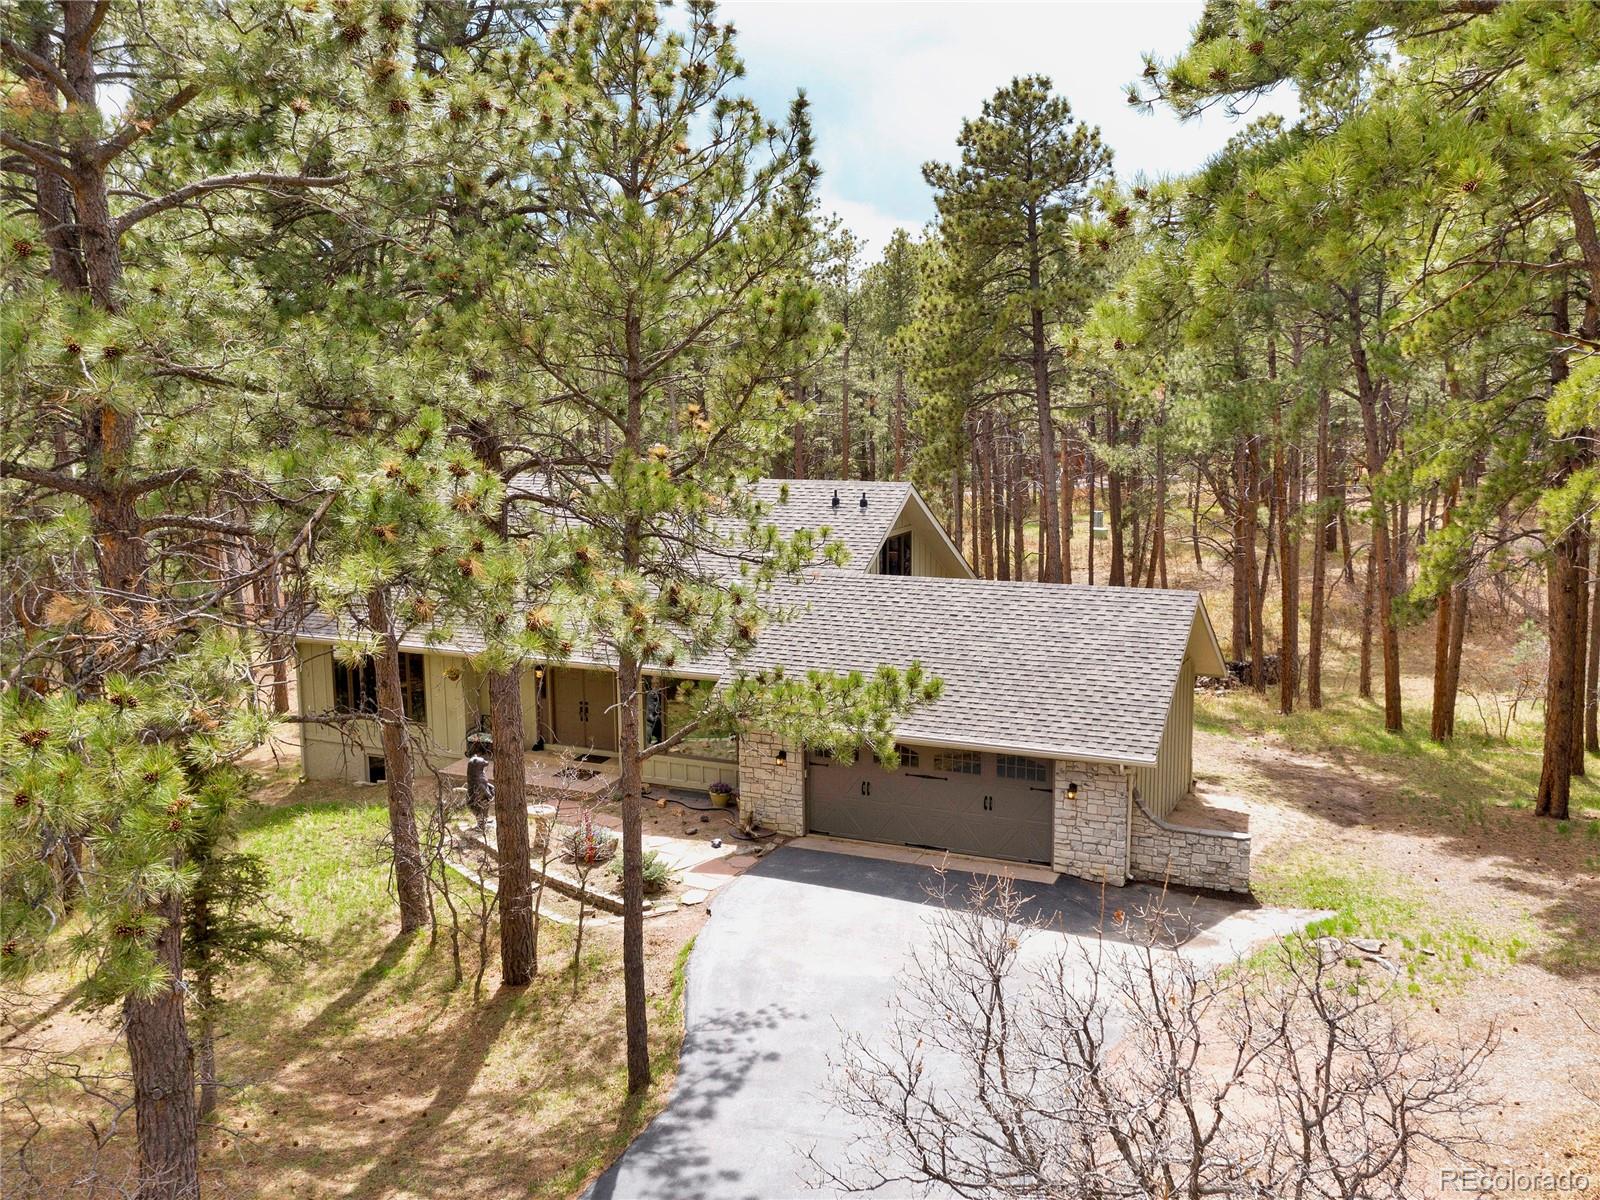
x: 891, y: 82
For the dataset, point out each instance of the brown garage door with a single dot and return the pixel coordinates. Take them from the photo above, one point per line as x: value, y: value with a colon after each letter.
x: 991, y: 805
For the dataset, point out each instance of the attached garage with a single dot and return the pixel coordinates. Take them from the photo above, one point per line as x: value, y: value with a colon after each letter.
x: 966, y: 801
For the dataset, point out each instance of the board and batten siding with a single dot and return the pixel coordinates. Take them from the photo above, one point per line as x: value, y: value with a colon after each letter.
x: 930, y: 555
x: 341, y: 753
x: 1163, y: 785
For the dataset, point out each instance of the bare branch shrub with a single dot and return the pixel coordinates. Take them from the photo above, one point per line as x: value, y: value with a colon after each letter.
x: 1116, y: 1067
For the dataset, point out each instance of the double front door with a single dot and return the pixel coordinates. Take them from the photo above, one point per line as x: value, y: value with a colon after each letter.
x: 583, y: 708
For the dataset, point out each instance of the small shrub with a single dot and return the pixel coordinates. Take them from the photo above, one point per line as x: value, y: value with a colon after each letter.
x: 657, y: 874
x: 588, y: 844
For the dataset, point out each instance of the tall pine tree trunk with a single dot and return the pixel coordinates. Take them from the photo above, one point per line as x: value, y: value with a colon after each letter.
x: 846, y: 467
x: 1243, y: 541
x: 1118, y: 575
x: 1369, y: 604
x: 1580, y: 640
x: 1441, y: 725
x: 1591, y: 685
x: 512, y: 842
x: 632, y: 786
x: 957, y: 503
x: 983, y: 499
x: 398, y: 769
x: 161, y: 1062
x: 1555, y: 775
x: 1160, y: 518
x: 900, y: 423
x: 1067, y: 501
x: 1368, y: 393
x: 1319, y: 561
x: 1288, y: 573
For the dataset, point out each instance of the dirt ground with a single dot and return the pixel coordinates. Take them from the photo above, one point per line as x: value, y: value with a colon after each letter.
x: 1500, y: 873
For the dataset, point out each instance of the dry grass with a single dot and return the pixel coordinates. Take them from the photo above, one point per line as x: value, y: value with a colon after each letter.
x: 366, y: 1071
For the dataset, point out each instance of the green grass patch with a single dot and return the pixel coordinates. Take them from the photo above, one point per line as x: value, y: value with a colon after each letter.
x: 1367, y: 904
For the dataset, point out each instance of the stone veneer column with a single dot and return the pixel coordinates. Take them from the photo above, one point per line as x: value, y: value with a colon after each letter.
x: 774, y: 792
x: 1091, y: 832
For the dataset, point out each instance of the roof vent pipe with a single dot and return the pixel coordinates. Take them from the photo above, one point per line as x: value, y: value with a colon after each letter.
x: 836, y: 497
x: 863, y: 499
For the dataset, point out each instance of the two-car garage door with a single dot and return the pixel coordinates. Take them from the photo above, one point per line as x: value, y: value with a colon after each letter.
x: 991, y: 805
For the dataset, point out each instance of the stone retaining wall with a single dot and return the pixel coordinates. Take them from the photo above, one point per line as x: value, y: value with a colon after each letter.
x: 1160, y: 852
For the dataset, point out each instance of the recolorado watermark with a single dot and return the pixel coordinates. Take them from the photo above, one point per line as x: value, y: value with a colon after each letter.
x: 1515, y: 1181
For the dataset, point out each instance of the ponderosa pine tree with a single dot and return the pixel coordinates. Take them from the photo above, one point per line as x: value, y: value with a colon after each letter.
x: 403, y: 551
x: 1005, y: 214
x: 1478, y: 124
x: 667, y: 312
x: 135, y: 142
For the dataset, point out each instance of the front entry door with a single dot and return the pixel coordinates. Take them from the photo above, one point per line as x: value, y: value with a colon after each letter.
x: 583, y: 708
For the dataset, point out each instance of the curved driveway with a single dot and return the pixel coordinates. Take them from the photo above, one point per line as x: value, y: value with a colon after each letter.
x: 804, y: 945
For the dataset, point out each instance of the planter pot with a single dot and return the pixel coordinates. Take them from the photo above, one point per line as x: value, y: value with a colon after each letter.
x: 722, y: 799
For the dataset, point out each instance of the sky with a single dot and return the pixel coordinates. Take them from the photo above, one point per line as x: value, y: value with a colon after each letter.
x: 889, y: 84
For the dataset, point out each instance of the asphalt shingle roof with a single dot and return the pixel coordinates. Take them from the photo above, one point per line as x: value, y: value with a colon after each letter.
x: 809, y: 505
x: 1059, y: 671
x: 1063, y: 671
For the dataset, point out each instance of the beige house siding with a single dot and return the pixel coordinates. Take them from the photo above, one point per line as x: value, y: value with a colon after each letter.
x: 1161, y: 787
x: 931, y: 553
x: 329, y: 752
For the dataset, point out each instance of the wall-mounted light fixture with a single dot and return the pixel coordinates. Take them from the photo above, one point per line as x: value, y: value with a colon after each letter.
x: 452, y: 673
x: 782, y: 758
x: 1072, y: 793
x: 538, y: 674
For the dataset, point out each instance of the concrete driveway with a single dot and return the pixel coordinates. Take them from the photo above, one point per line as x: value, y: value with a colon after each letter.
x: 801, y: 947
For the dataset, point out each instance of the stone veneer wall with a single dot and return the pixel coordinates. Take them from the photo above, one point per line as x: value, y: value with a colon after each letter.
x: 1206, y: 858
x: 775, y: 794
x: 1091, y: 832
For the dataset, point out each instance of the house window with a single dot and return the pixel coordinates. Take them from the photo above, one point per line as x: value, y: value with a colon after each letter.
x: 1029, y: 770
x: 671, y: 705
x: 355, y: 688
x: 895, y: 557
x: 959, y: 762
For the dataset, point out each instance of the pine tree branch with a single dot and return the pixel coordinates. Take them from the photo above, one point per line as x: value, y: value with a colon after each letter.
x: 137, y: 127
x: 39, y: 155
x: 41, y: 66
x: 217, y: 183
x: 58, y: 481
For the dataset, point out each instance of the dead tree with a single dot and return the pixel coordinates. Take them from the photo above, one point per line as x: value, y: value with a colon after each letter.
x: 1116, y: 1068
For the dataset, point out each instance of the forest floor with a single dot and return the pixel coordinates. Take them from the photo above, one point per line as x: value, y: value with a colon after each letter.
x: 364, y: 1069
x: 1494, y: 913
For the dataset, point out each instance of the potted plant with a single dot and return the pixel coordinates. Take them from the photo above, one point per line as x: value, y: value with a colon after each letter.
x: 722, y: 794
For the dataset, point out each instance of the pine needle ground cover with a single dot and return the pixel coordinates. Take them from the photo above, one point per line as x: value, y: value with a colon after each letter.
x: 364, y: 1070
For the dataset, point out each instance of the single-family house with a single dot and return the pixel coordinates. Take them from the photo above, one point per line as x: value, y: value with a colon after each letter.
x: 1063, y: 735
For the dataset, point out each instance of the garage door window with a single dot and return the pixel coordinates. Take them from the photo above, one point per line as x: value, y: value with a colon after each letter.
x: 959, y: 762
x: 1027, y: 770
x: 906, y: 754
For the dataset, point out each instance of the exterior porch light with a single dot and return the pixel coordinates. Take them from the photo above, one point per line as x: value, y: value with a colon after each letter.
x: 538, y: 673
x: 1072, y: 793
x: 782, y: 758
